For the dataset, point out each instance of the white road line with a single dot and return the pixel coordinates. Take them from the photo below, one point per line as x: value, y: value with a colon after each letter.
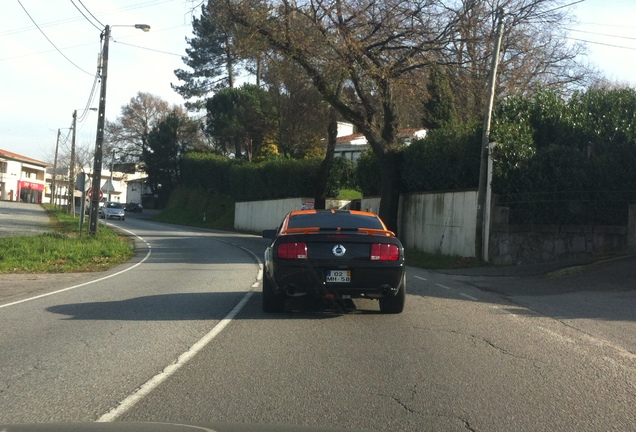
x: 443, y: 286
x: 89, y: 282
x: 155, y: 381
x: 556, y: 335
x: 507, y: 312
x: 420, y: 278
x: 467, y: 296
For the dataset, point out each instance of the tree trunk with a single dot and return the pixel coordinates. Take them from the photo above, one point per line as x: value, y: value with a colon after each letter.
x: 390, y: 166
x: 320, y: 194
x: 238, y: 148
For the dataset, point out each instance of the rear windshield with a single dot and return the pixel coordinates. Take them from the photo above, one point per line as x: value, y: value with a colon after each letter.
x: 334, y: 220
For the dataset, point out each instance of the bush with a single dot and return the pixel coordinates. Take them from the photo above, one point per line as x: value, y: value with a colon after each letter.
x: 368, y: 174
x: 446, y: 159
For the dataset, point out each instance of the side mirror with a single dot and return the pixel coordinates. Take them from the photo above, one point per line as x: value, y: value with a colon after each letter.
x: 269, y: 234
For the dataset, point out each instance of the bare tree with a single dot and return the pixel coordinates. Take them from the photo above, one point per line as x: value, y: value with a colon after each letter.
x: 129, y: 132
x: 383, y: 50
x: 369, y: 45
x: 535, y: 50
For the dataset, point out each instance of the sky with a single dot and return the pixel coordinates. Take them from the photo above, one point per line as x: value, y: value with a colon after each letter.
x: 41, y: 85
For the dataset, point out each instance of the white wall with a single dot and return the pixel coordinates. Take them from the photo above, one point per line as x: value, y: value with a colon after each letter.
x: 370, y: 204
x: 439, y: 222
x: 433, y: 222
x: 259, y: 215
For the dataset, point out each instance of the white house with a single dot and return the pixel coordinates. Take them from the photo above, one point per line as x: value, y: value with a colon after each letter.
x: 136, y: 188
x: 351, y: 145
x: 22, y: 178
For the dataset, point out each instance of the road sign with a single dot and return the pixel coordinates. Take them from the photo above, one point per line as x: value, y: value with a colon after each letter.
x: 80, y: 181
x: 89, y: 194
x: 108, y: 187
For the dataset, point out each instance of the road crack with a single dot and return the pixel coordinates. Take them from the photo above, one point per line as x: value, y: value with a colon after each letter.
x: 476, y: 339
x: 468, y: 426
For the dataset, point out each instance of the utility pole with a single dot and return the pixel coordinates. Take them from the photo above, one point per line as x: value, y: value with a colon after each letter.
x: 99, y: 140
x: 53, y: 180
x: 481, y: 240
x: 71, y: 192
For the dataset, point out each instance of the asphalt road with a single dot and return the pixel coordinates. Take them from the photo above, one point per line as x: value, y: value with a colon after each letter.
x: 177, y: 335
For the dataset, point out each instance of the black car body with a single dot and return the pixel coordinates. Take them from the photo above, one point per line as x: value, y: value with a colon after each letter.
x: 133, y: 207
x: 336, y: 255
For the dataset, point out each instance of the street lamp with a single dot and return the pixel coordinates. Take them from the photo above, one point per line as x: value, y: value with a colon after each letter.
x: 99, y: 140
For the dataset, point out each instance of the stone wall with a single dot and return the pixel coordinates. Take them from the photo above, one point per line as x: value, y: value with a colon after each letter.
x: 522, y: 244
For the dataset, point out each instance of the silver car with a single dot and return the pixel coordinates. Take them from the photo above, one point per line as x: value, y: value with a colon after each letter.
x: 112, y: 210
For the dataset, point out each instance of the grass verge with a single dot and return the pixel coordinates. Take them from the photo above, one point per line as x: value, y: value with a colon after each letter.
x: 200, y: 209
x: 62, y: 250
x: 349, y: 194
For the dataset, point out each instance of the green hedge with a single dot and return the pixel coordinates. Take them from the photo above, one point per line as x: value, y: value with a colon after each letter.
x: 567, y: 161
x: 246, y: 181
x: 446, y: 159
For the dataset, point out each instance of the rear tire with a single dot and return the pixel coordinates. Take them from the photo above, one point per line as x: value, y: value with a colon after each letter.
x: 272, y: 303
x: 394, y: 304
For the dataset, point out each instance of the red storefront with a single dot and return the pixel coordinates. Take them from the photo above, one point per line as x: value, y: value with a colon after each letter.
x: 30, y: 192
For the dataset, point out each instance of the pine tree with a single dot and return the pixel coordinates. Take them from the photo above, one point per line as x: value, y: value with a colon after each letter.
x: 212, y: 60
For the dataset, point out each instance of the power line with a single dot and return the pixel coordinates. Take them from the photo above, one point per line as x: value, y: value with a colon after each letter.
x: 47, y: 38
x: 607, y: 25
x: 148, y: 49
x: 557, y: 8
x: 74, y: 19
x: 601, y: 34
x: 604, y: 44
x: 92, y: 43
x: 91, y: 98
x: 89, y: 12
x: 45, y: 52
x: 84, y: 15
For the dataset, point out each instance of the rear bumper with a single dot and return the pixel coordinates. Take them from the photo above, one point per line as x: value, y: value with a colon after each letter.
x: 375, y: 281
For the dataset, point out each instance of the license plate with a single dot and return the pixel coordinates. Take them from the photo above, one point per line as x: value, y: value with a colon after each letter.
x: 338, y: 276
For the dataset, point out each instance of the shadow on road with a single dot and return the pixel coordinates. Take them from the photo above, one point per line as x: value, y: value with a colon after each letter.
x: 600, y: 291
x: 195, y: 307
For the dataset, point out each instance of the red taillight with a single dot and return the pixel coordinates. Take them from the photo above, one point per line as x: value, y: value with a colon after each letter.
x: 384, y: 252
x: 292, y: 250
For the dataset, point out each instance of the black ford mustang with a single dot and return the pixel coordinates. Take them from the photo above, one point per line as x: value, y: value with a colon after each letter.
x: 332, y: 254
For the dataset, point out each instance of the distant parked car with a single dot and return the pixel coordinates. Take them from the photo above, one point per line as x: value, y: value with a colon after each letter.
x: 112, y: 210
x: 87, y: 206
x: 134, y: 207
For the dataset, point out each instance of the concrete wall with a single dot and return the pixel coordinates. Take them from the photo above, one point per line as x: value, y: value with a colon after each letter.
x: 259, y: 215
x: 445, y: 223
x: 370, y: 204
x: 256, y: 216
x: 439, y: 222
x: 435, y: 222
